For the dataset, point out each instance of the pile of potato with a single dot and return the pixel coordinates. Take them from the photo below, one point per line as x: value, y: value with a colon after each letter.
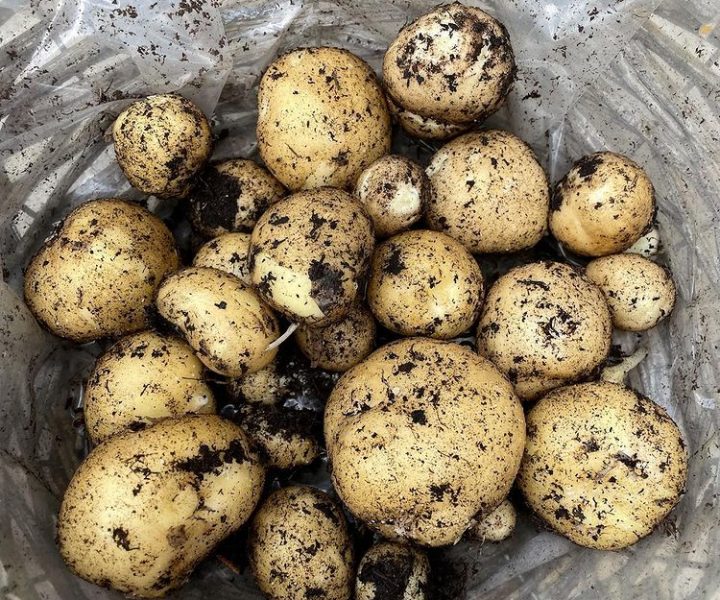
x: 376, y: 264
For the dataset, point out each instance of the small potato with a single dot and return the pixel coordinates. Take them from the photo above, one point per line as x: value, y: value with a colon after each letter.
x: 227, y: 252
x: 603, y: 205
x: 339, y: 345
x: 322, y: 118
x: 544, y: 325
x: 425, y: 283
x: 300, y: 547
x: 97, y: 276
x: 224, y: 320
x: 266, y: 386
x: 230, y: 196
x: 144, y: 378
x: 497, y: 526
x: 648, y: 245
x: 161, y: 142
x: 491, y: 194
x: 603, y: 465
x: 639, y: 292
x: 145, y: 508
x: 425, y: 128
x: 309, y: 254
x: 393, y: 572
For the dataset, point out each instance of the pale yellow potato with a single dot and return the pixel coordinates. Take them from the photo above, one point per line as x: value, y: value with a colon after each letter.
x: 392, y: 569
x: 425, y: 128
x: 266, y: 386
x: 227, y: 252
x: 497, y: 526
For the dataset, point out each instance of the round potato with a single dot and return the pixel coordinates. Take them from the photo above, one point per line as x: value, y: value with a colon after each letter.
x: 229, y: 196
x: 144, y: 378
x: 648, y: 245
x: 491, y: 194
x: 423, y: 436
x: 227, y: 252
x: 300, y: 547
x: 71, y: 284
x: 322, y: 118
x: 266, y: 386
x: 224, y: 320
x: 603, y: 205
x: 544, y: 325
x: 145, y: 508
x: 425, y: 283
x: 309, y: 255
x: 394, y: 572
x: 603, y: 464
x: 425, y: 128
x: 161, y: 142
x: 497, y: 526
x: 639, y: 292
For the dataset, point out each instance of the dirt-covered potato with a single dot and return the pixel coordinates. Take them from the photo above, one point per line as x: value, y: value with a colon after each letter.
x: 144, y: 378
x: 425, y: 128
x: 603, y: 205
x: 145, y: 508
x: 425, y: 283
x: 544, y: 325
x: 639, y: 292
x: 423, y: 437
x: 322, y: 118
x: 97, y: 276
x: 230, y: 196
x: 394, y: 190
x: 497, y: 526
x: 454, y: 64
x: 648, y: 245
x: 339, y: 345
x: 161, y: 142
x: 224, y: 320
x: 309, y: 254
x: 390, y: 571
x: 491, y: 193
x: 300, y: 547
x: 227, y: 252
x: 266, y: 386
x: 603, y: 464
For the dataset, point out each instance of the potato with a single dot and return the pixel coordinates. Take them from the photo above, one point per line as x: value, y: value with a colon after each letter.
x: 300, y: 547
x: 495, y: 527
x: 229, y: 196
x: 97, y: 276
x: 227, y: 252
x: 161, y: 142
x: 393, y: 572
x: 648, y: 245
x: 603, y: 205
x: 639, y: 292
x: 322, y: 118
x: 144, y: 378
x: 266, y: 386
x: 340, y: 345
x: 491, y: 194
x: 425, y: 128
x: 425, y: 283
x: 309, y: 255
x: 145, y: 508
x: 603, y: 464
x: 423, y: 436
x: 224, y: 320
x: 544, y: 325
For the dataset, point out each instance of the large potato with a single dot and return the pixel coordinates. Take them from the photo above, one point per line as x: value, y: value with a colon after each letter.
x: 145, y: 508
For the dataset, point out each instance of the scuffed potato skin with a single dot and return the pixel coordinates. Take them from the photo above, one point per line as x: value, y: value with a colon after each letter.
x: 161, y: 142
x: 603, y: 464
x: 322, y: 118
x: 223, y: 319
x: 394, y: 572
x: 425, y: 128
x: 300, y: 547
x: 227, y: 252
x: 143, y: 379
x: 309, y: 255
x: 423, y: 436
x: 425, y: 283
x: 145, y: 508
x: 71, y: 284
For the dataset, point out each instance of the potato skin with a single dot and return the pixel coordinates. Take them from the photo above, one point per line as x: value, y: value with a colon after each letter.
x: 322, y: 118
x: 227, y: 252
x: 425, y: 128
x: 423, y: 436
x: 266, y: 386
x: 603, y: 465
x: 300, y: 547
x: 425, y: 283
x: 224, y: 320
x: 392, y: 571
x: 144, y: 378
x: 161, y: 142
x: 145, y: 508
x: 491, y: 193
x: 71, y: 284
x: 495, y: 527
x: 309, y: 255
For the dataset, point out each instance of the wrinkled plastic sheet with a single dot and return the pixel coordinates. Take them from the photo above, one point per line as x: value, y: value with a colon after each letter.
x: 641, y: 77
